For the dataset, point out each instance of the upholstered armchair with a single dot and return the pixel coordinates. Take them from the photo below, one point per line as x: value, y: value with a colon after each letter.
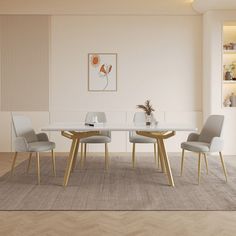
x: 208, y: 141
x: 28, y: 141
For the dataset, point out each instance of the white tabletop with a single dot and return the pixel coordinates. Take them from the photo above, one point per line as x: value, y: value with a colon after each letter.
x: 161, y: 126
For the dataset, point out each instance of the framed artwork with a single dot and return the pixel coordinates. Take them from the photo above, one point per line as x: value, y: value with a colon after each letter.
x: 102, y: 72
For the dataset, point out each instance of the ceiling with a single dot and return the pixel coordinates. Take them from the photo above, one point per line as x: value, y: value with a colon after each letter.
x: 98, y: 7
x: 114, y: 7
x: 202, y: 6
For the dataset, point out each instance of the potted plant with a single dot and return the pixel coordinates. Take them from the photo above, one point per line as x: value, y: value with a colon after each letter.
x: 148, y: 109
x: 229, y: 71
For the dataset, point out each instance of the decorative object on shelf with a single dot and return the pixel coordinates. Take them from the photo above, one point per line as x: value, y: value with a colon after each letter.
x: 229, y: 46
x: 102, y: 72
x: 229, y: 71
x: 232, y: 100
x: 148, y: 109
x: 227, y: 102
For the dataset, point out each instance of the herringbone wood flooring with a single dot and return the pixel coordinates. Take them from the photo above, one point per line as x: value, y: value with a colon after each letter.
x: 113, y: 223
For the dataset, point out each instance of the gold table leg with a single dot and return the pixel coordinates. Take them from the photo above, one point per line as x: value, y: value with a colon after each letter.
x: 163, y: 169
x: 75, y: 157
x: 70, y: 161
x: 75, y: 137
x: 164, y: 160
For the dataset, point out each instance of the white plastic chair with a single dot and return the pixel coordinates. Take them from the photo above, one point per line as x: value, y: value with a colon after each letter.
x: 209, y: 140
x: 28, y: 141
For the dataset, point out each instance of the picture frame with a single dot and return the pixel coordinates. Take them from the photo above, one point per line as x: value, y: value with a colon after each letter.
x: 102, y: 72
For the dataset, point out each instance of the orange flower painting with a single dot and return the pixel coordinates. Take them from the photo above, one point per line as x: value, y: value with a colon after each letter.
x: 95, y: 60
x: 102, y: 72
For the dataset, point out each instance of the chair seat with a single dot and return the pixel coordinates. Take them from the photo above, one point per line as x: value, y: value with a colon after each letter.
x: 41, y: 146
x: 196, y: 146
x: 141, y: 139
x: 96, y: 139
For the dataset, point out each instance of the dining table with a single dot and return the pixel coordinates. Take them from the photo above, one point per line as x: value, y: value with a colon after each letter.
x: 159, y: 131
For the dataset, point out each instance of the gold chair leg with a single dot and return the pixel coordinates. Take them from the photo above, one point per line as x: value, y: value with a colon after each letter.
x: 223, y: 165
x: 29, y: 162
x: 182, y: 163
x: 106, y: 157
x: 53, y: 162
x: 133, y: 155
x: 155, y: 153
x: 13, y: 163
x: 206, y: 162
x: 81, y: 156
x: 38, y: 166
x: 199, y: 167
x: 159, y: 157
x: 85, y: 151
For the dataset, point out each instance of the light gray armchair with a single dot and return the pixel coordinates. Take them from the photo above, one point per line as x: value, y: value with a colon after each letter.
x: 140, y: 119
x: 103, y: 137
x: 209, y: 140
x: 28, y: 141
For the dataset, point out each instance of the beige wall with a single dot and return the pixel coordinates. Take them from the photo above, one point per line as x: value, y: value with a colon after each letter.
x: 159, y: 57
x: 212, y: 76
x: 25, y: 63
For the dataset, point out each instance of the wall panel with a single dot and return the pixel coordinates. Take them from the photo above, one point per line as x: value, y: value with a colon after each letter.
x: 25, y: 63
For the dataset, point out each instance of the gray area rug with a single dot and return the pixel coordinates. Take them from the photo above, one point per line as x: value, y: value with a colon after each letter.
x: 121, y: 188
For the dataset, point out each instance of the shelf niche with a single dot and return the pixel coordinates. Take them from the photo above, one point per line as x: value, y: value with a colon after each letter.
x: 228, y: 58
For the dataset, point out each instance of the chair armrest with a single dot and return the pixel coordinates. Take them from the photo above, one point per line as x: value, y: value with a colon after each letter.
x: 42, y: 137
x: 217, y: 144
x: 21, y: 144
x: 193, y: 137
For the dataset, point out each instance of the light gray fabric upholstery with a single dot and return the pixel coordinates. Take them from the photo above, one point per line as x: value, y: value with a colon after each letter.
x: 21, y: 144
x: 26, y: 139
x: 105, y: 136
x: 196, y: 146
x: 135, y: 138
x: 23, y: 128
x: 212, y: 128
x: 209, y: 139
x: 96, y: 139
x: 42, y: 137
x: 41, y: 146
x: 140, y: 119
x: 193, y: 137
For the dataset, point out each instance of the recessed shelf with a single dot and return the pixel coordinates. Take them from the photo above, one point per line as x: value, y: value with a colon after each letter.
x: 229, y: 51
x: 229, y: 81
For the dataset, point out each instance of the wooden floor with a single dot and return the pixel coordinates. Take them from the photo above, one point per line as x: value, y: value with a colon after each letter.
x: 113, y: 223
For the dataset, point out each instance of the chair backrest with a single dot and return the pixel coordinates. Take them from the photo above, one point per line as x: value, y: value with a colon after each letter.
x: 139, y: 118
x: 212, y: 128
x: 23, y: 128
x: 101, y: 118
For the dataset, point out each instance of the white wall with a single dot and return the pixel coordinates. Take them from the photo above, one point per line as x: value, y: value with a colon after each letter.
x: 159, y: 58
x: 212, y: 74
